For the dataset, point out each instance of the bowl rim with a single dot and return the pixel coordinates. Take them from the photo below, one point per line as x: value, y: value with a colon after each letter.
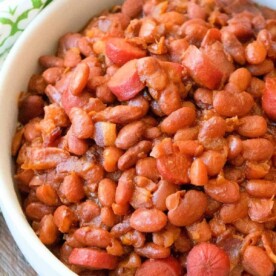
x: 35, y: 252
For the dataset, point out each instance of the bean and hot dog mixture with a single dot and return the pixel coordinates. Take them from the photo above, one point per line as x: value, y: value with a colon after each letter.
x: 146, y: 145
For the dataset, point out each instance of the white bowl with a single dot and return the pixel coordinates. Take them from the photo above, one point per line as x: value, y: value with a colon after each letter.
x: 40, y: 38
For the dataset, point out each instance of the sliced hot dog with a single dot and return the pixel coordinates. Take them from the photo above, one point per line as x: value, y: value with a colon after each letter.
x: 92, y: 258
x: 207, y: 259
x: 269, y: 98
x: 125, y: 84
x: 165, y: 267
x: 120, y: 51
x: 174, y: 168
x: 201, y: 69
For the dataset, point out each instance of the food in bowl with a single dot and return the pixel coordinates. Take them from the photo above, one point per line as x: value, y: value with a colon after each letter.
x: 146, y: 144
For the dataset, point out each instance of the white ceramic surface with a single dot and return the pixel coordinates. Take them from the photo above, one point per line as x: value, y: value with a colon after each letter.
x: 268, y: 3
x: 39, y: 38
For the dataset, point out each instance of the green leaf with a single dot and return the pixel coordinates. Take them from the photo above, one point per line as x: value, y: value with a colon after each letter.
x: 6, y: 21
x: 37, y: 4
x: 47, y: 3
x: 12, y: 10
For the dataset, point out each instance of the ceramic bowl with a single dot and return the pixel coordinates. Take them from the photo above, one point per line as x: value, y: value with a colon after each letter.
x: 39, y: 38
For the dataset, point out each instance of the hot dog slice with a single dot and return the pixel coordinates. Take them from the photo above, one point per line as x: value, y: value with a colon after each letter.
x: 165, y: 267
x: 174, y: 168
x: 201, y: 69
x: 92, y: 258
x: 125, y: 84
x: 207, y: 259
x: 120, y: 51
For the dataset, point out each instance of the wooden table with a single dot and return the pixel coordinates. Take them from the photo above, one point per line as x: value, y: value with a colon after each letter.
x: 12, y: 262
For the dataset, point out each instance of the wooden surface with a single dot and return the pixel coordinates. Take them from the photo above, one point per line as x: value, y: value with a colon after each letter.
x: 12, y: 262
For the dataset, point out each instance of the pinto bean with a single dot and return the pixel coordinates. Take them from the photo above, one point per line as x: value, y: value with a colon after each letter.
x: 75, y: 145
x: 256, y: 170
x: 199, y: 231
x: 123, y: 114
x: 68, y: 100
x: 51, y: 61
x: 241, y: 78
x: 255, y: 52
x: 63, y: 218
x: 195, y: 11
x: 169, y: 100
x: 72, y: 57
x: 261, y: 69
x: 186, y: 134
x: 232, y: 104
x: 252, y: 126
x: 256, y: 262
x: 130, y: 135
x: 257, y: 149
x: 223, y: 190
x: 185, y: 208
x: 82, y: 125
x: 107, y: 216
x: 247, y: 226
x: 87, y: 210
x: 235, y: 146
x: 203, y: 98
x: 261, y: 188
x: 189, y: 147
x: 47, y: 194
x: 133, y: 154
x: 71, y: 190
x: 147, y: 167
x: 214, y: 127
x: 134, y: 238
x: 106, y: 192
x: 30, y: 108
x: 132, y: 8
x: 260, y: 209
x: 37, y: 210
x: 178, y: 119
x: 148, y: 220
x: 233, y: 47
x: 111, y: 155
x: 52, y: 75
x: 153, y: 251
x: 214, y: 161
x: 164, y: 189
x: 90, y: 236
x: 177, y: 48
x: 125, y: 187
x: 120, y: 209
x: 48, y: 232
x: 198, y: 173
x: 232, y: 212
